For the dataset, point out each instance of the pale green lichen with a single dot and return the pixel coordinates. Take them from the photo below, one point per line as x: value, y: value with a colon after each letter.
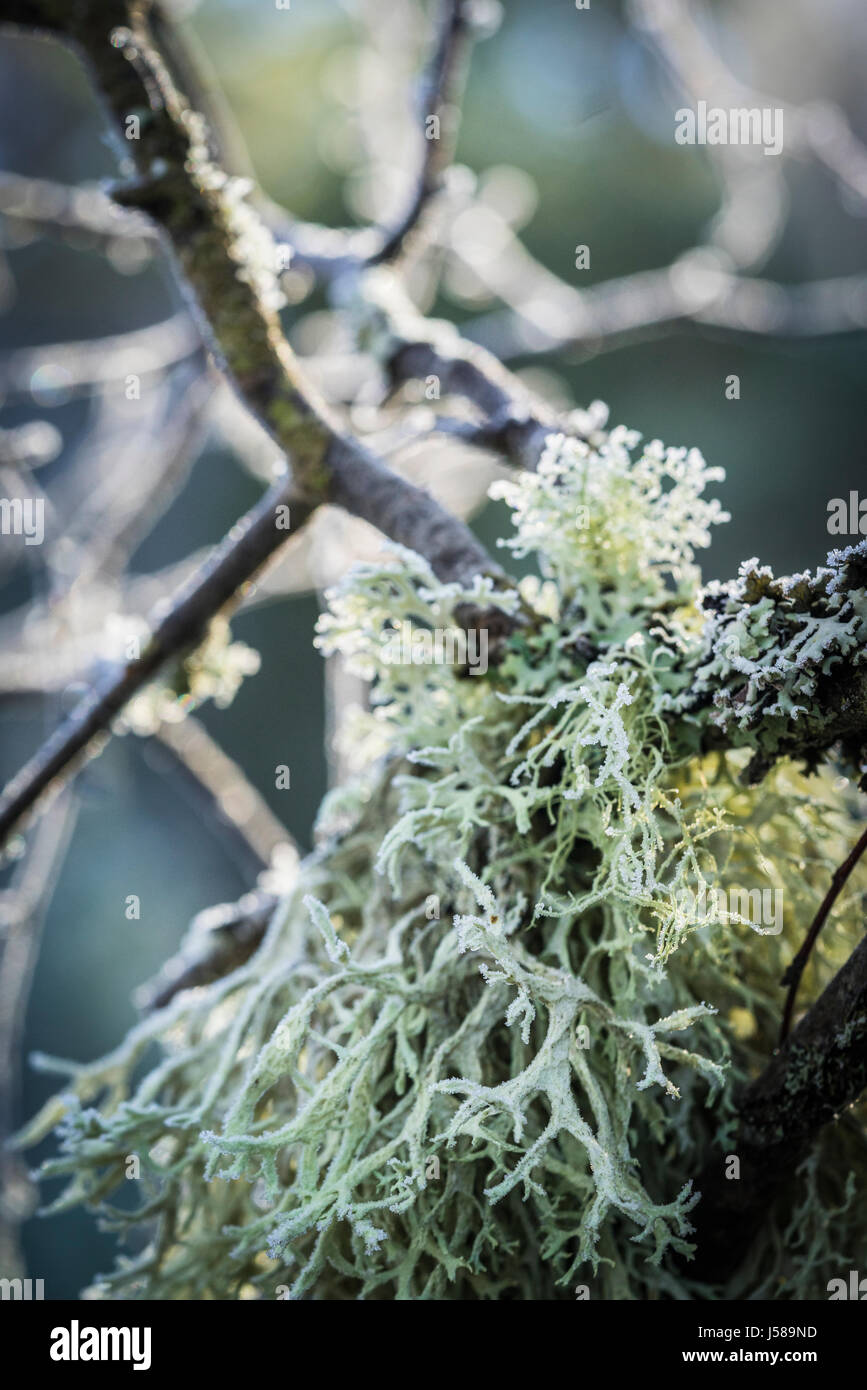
x: 486, y: 1041
x: 214, y: 670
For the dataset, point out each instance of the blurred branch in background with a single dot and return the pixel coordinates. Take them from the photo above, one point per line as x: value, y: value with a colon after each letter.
x: 218, y: 779
x: 438, y: 115
x: 22, y: 911
x: 219, y: 940
x: 56, y: 209
x: 706, y: 284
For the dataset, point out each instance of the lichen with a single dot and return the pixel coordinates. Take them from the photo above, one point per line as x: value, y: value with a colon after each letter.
x: 489, y: 1035
x: 786, y: 659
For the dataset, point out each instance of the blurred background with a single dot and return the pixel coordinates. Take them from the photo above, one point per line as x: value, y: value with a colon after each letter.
x: 567, y: 139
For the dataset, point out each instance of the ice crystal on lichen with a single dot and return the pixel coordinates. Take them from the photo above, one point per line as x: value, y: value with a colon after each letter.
x: 774, y: 650
x: 489, y: 1034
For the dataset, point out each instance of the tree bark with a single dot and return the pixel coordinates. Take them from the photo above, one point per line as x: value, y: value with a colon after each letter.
x: 818, y: 1073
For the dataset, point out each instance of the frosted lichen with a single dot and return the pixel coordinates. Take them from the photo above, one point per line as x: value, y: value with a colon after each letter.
x: 775, y: 650
x: 486, y: 1040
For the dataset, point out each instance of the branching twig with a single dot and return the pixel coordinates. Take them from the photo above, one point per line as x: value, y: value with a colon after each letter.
x: 22, y: 909
x: 818, y: 1073
x: 229, y: 264
x: 233, y: 563
x: 438, y: 100
x: 228, y: 260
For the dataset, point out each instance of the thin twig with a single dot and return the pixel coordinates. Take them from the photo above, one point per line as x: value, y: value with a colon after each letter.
x: 230, y: 794
x: 439, y: 99
x: 99, y: 362
x: 231, y: 565
x: 793, y: 974
x: 57, y: 207
x: 21, y: 916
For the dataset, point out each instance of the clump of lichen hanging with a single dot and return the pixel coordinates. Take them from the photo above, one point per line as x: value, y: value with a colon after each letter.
x: 494, y: 1027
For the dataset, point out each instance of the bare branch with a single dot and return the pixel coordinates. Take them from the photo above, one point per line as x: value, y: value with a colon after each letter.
x: 227, y: 259
x: 232, y: 564
x: 413, y: 348
x: 693, y: 290
x: 61, y: 208
x: 22, y: 910
x: 100, y: 361
x: 235, y: 800
x: 819, y: 1072
x: 819, y: 129
x: 438, y: 101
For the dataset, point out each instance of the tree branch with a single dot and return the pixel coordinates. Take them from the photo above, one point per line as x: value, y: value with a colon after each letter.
x: 438, y: 99
x: 23, y: 907
x: 229, y: 264
x: 219, y: 940
x: 821, y: 1071
x: 413, y: 348
x: 97, y: 362
x: 232, y: 564
x: 230, y: 798
x: 793, y: 974
x: 228, y: 259
x: 60, y: 207
x: 784, y: 663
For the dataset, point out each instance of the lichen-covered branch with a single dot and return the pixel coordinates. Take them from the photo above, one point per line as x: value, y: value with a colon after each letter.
x: 229, y: 265
x: 471, y: 1054
x: 438, y: 102
x: 500, y: 996
x: 784, y: 661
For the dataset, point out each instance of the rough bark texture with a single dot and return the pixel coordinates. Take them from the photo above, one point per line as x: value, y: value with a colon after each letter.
x: 821, y: 1070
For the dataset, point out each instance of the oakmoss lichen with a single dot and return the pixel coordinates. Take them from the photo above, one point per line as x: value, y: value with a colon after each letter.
x: 493, y: 1029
